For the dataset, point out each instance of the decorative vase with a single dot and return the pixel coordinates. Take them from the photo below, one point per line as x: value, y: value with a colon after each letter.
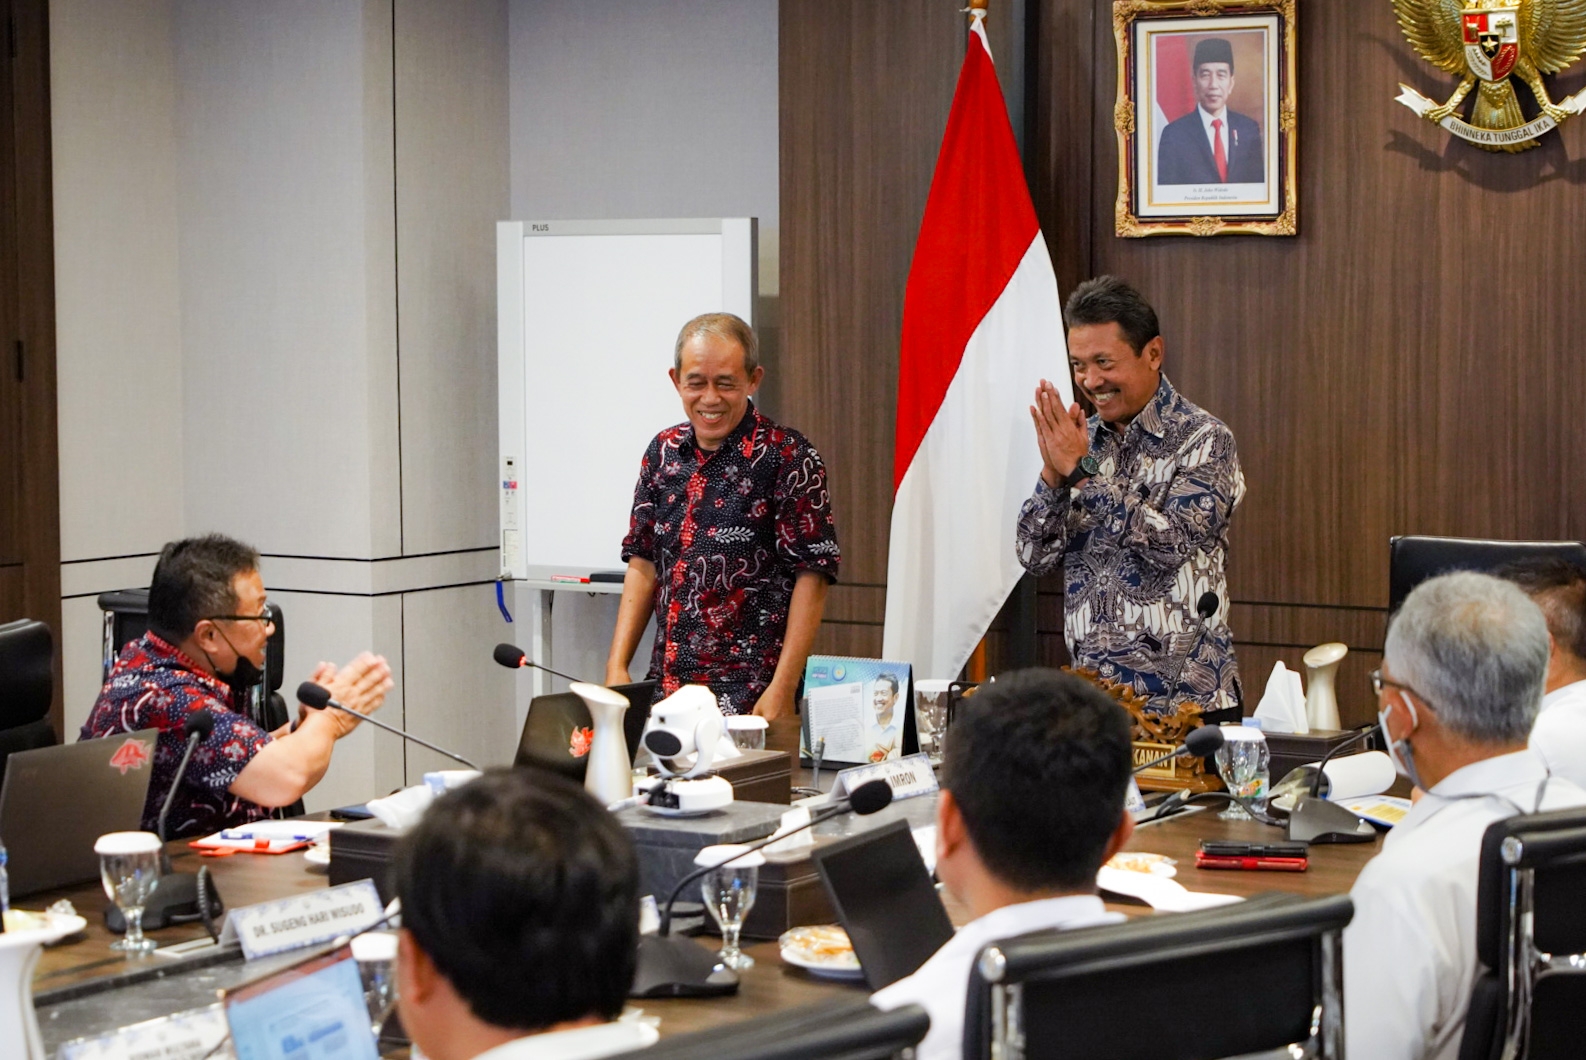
x: 1321, y: 702
x: 609, y: 773
x: 19, y: 1028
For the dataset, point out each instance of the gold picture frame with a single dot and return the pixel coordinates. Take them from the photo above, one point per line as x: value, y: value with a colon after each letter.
x: 1192, y: 159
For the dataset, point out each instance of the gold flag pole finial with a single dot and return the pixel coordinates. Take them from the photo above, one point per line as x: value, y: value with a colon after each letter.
x: 977, y: 9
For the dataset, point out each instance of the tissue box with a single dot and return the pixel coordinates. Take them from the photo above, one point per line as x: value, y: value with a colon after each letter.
x: 759, y: 776
x: 1291, y: 749
x: 361, y: 850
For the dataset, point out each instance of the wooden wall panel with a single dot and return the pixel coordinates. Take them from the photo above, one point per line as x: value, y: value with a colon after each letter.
x: 865, y: 91
x: 29, y: 292
x: 1406, y: 364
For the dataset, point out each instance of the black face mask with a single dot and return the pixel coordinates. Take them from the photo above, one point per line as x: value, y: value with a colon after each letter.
x: 244, y: 677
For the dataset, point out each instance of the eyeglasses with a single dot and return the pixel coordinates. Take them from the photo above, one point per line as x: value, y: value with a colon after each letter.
x: 267, y: 617
x: 1378, y: 683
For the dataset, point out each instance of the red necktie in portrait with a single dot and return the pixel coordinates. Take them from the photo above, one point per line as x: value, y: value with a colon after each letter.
x: 1218, y: 153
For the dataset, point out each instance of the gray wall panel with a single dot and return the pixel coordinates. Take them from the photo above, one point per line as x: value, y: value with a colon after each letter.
x: 451, y: 189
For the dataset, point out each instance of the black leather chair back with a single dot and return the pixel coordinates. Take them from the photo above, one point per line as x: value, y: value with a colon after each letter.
x: 1529, y: 902
x: 1079, y: 992
x: 27, y: 674
x: 840, y: 1030
x: 548, y: 731
x: 27, y: 686
x: 1413, y: 559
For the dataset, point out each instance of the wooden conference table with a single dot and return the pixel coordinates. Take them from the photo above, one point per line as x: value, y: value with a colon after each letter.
x: 768, y: 986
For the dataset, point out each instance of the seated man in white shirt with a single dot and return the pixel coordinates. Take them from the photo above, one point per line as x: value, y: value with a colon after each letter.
x: 1033, y: 781
x: 520, y: 923
x: 1558, y: 587
x: 1459, y: 687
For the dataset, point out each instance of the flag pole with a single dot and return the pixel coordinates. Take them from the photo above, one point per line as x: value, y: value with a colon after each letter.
x: 975, y: 668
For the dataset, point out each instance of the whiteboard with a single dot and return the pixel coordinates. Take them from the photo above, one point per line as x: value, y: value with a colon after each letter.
x: 588, y: 314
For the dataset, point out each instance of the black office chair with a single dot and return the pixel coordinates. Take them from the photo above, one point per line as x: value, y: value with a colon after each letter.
x: 839, y: 1030
x: 27, y: 685
x: 1530, y: 939
x: 1413, y: 559
x: 1077, y: 994
x: 547, y: 739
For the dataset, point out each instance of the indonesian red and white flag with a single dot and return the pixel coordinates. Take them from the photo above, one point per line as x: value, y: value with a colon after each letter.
x: 982, y: 325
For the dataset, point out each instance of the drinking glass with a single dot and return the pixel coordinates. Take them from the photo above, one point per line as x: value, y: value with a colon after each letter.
x: 729, y: 891
x: 930, y: 716
x: 129, y: 867
x: 747, y: 731
x: 1244, y: 763
x: 375, y: 952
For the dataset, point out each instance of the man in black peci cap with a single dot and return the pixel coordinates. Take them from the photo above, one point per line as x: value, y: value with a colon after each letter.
x: 1212, y: 144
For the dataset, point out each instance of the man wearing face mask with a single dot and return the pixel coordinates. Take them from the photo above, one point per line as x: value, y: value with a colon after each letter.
x: 208, y: 626
x: 1461, y: 681
x: 1133, y: 504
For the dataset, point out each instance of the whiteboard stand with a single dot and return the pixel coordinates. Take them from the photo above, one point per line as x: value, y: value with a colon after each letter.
x: 542, y: 601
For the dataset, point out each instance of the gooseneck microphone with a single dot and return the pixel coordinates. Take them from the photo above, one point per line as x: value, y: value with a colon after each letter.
x: 1202, y: 741
x: 1316, y: 820
x: 679, y: 967
x: 200, y: 723
x: 514, y: 658
x: 318, y: 697
x: 1205, y: 608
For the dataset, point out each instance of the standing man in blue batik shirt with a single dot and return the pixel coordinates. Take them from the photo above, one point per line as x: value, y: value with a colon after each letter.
x: 1134, y: 504
x: 209, y: 622
x: 731, y: 543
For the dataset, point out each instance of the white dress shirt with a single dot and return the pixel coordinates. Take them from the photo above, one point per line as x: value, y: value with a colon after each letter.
x: 581, y: 1043
x: 1213, y: 135
x: 1410, y: 952
x: 941, y: 983
x: 1559, y: 735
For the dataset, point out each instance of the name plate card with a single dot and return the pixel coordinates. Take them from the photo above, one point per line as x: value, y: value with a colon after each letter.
x: 907, y: 777
x: 304, y: 920
x: 185, y: 1036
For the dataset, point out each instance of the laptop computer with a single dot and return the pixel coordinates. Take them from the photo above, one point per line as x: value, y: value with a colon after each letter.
x: 56, y: 801
x: 312, y: 1010
x: 885, y: 900
x: 547, y: 739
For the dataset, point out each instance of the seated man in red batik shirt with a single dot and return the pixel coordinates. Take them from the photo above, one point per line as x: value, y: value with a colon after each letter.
x: 731, y: 543
x: 208, y: 625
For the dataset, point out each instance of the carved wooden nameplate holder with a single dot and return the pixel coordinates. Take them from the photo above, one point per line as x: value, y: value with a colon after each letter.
x: 1157, y: 734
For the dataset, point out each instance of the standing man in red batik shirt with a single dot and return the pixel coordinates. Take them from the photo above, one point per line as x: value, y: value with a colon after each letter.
x: 731, y: 544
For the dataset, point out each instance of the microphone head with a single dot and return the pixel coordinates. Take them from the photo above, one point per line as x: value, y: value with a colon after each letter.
x: 1206, y: 606
x: 1203, y: 741
x: 201, y: 722
x: 311, y: 695
x: 511, y: 656
x: 870, y: 796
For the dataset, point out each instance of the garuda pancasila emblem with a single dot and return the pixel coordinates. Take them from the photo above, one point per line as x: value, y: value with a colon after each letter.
x: 1485, y: 43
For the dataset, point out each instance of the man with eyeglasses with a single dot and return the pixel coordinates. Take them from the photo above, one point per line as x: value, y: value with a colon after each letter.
x: 1460, y: 685
x: 208, y: 625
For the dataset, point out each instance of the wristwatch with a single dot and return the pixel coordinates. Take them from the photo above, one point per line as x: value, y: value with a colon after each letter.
x: 1087, y: 466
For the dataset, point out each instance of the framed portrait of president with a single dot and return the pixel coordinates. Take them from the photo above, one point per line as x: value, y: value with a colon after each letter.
x: 1206, y: 117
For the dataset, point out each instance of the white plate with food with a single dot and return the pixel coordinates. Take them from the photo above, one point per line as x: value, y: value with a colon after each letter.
x: 1140, y: 861
x: 823, y: 950
x: 317, y: 854
x: 53, y: 926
